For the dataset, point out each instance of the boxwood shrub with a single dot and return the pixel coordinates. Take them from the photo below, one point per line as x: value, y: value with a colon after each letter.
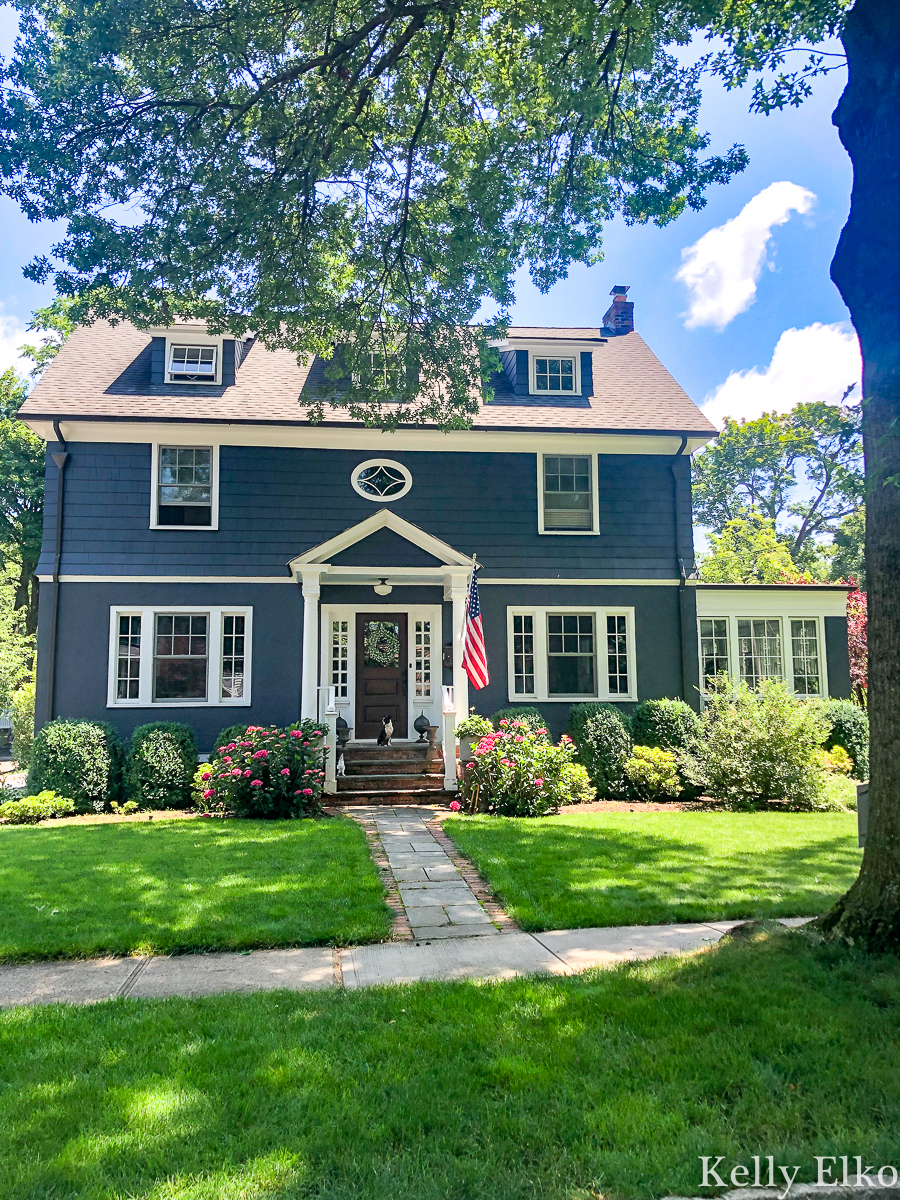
x: 848, y: 726
x: 231, y: 733
x: 665, y: 725
x: 80, y: 759
x: 603, y: 741
x: 32, y: 809
x: 162, y: 760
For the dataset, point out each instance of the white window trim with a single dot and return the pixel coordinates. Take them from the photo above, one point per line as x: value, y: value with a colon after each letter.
x: 154, y: 486
x: 539, y: 616
x: 787, y: 658
x: 595, y: 497
x: 553, y: 352
x: 214, y: 661
x: 377, y: 462
x: 204, y: 343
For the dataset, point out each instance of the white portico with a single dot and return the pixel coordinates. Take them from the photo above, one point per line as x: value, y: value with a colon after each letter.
x: 340, y: 637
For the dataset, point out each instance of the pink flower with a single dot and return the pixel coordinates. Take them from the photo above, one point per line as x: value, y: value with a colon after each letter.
x: 317, y: 733
x: 231, y: 746
x: 565, y: 738
x: 296, y: 733
x: 247, y: 773
x: 504, y: 762
x: 237, y: 772
x: 519, y: 738
x: 307, y: 791
x: 256, y: 783
x: 469, y: 766
x: 298, y: 793
x: 542, y: 731
x: 306, y: 743
x: 208, y: 794
x: 282, y: 735
x: 504, y: 721
x: 455, y: 806
x: 539, y: 783
x: 226, y: 759
x: 285, y: 771
x: 260, y: 754
x: 206, y: 775
x: 246, y: 743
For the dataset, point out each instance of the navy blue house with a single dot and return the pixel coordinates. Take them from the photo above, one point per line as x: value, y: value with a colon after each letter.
x: 211, y: 556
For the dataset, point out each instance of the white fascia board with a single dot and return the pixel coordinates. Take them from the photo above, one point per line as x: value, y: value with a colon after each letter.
x: 383, y: 519
x: 788, y: 601
x: 325, y: 437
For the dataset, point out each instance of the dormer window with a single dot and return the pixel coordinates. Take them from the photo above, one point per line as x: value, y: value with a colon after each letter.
x: 193, y: 364
x: 554, y: 376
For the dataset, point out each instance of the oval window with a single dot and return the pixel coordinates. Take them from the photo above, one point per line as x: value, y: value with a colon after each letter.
x: 381, y: 479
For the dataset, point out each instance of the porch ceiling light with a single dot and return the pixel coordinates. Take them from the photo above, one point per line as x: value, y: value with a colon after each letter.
x: 383, y: 588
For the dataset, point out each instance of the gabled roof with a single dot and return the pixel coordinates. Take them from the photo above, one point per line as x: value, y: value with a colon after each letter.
x: 103, y: 372
x: 382, y: 519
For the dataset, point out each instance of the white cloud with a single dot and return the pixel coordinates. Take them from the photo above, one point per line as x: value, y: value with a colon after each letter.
x: 722, y: 269
x: 12, y: 335
x: 815, y: 363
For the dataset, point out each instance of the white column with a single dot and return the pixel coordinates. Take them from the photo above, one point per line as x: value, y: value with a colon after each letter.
x: 309, y: 691
x: 456, y: 588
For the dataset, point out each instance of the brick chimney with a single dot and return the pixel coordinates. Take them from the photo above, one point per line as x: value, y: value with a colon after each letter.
x: 619, y: 317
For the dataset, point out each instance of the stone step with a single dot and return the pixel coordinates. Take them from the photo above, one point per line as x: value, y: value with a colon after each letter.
x: 391, y: 797
x: 396, y: 766
x: 411, y: 783
x: 397, y: 750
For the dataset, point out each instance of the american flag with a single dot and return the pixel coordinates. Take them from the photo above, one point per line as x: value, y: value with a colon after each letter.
x: 475, y: 661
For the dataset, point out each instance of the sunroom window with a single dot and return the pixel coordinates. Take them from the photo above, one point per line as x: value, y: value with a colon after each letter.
x: 192, y: 364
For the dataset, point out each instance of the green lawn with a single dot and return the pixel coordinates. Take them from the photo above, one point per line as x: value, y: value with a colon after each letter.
x: 576, y: 870
x: 609, y: 1084
x: 167, y: 886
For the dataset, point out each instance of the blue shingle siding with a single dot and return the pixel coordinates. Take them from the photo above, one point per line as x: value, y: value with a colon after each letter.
x: 229, y: 364
x: 275, y: 503
x: 381, y: 548
x: 587, y: 373
x: 158, y: 360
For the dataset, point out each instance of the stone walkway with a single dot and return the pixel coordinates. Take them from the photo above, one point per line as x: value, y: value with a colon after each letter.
x: 560, y: 952
x: 439, y: 899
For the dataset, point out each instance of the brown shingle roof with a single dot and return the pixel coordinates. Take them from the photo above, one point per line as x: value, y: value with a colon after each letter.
x: 103, y: 371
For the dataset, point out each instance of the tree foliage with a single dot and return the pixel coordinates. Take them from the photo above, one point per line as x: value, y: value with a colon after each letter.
x: 756, y: 467
x: 22, y: 509
x: 749, y: 551
x: 54, y: 322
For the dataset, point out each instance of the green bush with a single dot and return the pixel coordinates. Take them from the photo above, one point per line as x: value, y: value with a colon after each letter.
x: 577, y: 786
x: 161, y: 763
x: 665, y: 724
x: 23, y: 725
x: 32, y: 809
x: 652, y: 773
x: 763, y: 745
x: 517, y: 773
x: 530, y: 717
x: 837, y: 761
x: 270, y: 773
x: 848, y: 726
x: 474, y: 726
x: 81, y: 759
x: 603, y: 743
x: 231, y: 733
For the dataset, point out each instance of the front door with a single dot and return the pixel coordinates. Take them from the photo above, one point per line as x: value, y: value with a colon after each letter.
x: 380, y: 673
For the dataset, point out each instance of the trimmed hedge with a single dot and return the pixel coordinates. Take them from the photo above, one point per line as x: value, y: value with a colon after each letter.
x: 665, y: 725
x: 162, y: 760
x: 849, y: 727
x: 603, y: 743
x: 80, y: 759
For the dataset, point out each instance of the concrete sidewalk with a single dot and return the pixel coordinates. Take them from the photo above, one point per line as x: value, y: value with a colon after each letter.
x: 560, y: 952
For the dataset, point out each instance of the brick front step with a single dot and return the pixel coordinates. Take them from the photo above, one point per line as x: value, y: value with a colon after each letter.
x: 396, y: 766
x: 392, y: 797
x: 378, y: 783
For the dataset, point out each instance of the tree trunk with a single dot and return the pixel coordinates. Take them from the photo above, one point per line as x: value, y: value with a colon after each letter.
x: 866, y: 269
x: 26, y: 595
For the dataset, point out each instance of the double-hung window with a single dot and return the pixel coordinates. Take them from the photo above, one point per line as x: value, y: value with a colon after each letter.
x: 185, y: 487
x: 571, y: 654
x: 568, y: 493
x: 176, y: 656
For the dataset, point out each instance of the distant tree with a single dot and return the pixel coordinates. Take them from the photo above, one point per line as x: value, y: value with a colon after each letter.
x: 748, y: 550
x: 13, y: 390
x: 753, y: 467
x: 55, y: 322
x: 849, y: 558
x: 22, y: 456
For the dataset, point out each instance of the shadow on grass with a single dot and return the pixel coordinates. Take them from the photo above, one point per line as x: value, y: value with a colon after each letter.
x: 611, y: 1083
x: 553, y: 874
x: 185, y: 886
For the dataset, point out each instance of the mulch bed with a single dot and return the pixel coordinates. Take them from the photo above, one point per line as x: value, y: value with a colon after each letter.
x: 635, y: 806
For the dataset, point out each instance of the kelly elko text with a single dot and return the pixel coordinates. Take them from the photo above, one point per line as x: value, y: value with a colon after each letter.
x: 831, y: 1171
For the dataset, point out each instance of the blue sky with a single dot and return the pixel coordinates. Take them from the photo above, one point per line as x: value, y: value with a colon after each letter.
x: 747, y: 348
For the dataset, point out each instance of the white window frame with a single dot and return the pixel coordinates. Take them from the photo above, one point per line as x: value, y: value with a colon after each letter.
x: 200, y: 343
x: 595, y: 496
x: 784, y: 619
x: 214, y: 486
x: 554, y: 352
x: 381, y: 462
x: 214, y: 661
x: 539, y: 616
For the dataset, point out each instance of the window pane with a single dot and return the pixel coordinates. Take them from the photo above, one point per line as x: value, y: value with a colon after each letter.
x: 340, y: 651
x: 129, y: 658
x: 571, y: 667
x: 759, y: 650
x: 180, y: 659
x: 422, y: 659
x: 523, y: 655
x: 805, y: 655
x: 568, y: 499
x: 713, y: 649
x: 232, y: 656
x: 617, y: 655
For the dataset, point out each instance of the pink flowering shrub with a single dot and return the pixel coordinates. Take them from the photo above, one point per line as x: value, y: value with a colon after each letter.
x: 517, y: 772
x: 270, y: 773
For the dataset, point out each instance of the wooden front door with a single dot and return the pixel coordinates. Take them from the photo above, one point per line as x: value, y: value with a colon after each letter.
x: 380, y: 673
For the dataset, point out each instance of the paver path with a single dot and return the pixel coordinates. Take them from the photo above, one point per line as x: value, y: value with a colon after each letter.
x: 560, y: 952
x: 438, y: 900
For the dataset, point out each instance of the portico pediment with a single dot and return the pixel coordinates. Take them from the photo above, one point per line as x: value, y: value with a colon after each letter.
x: 390, y: 541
